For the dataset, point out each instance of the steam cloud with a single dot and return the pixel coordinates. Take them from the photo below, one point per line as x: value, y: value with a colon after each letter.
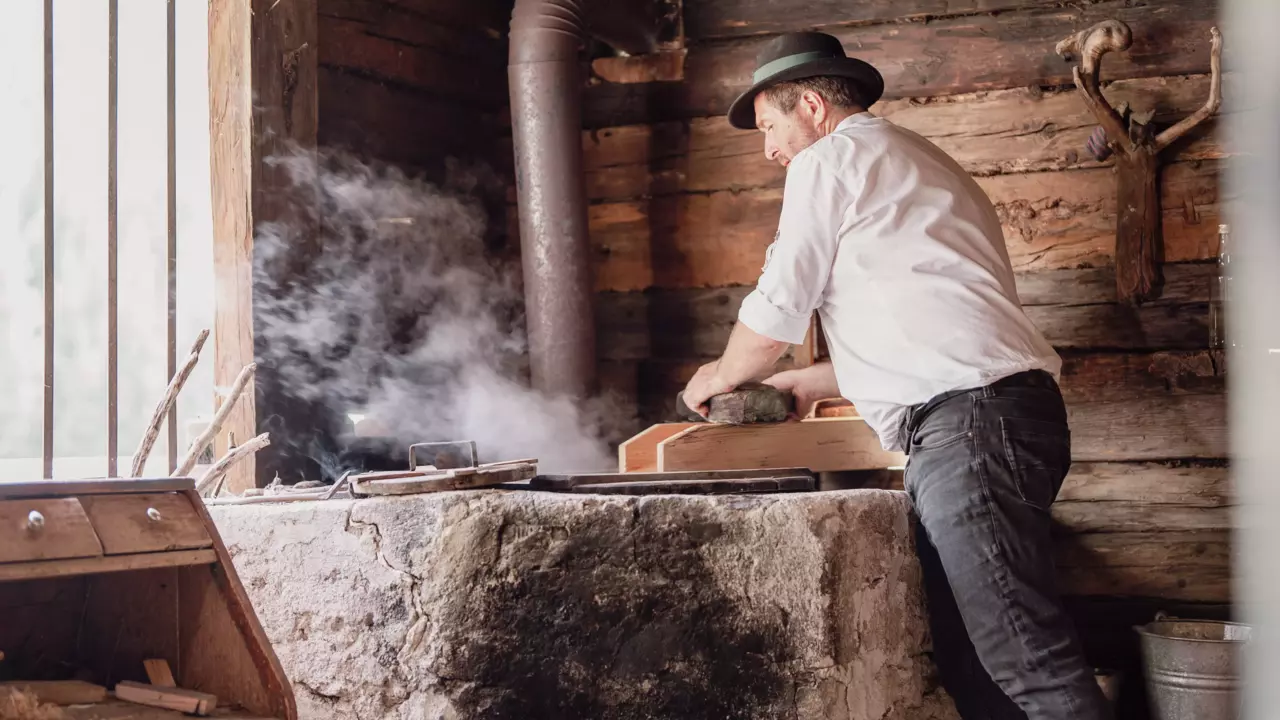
x: 400, y: 311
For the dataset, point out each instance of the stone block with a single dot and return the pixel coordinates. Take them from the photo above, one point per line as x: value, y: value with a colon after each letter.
x: 505, y: 605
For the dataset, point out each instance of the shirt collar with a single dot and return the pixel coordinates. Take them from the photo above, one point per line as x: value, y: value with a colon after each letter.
x: 856, y: 119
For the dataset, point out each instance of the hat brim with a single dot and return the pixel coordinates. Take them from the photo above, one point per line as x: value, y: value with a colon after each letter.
x: 742, y: 113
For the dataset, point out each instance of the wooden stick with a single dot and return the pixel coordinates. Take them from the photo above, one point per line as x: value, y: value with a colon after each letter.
x: 1164, y: 139
x: 166, y: 402
x: 219, y: 469
x: 189, y: 460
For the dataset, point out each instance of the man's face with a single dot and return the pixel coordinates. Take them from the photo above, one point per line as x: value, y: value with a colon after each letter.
x: 786, y: 134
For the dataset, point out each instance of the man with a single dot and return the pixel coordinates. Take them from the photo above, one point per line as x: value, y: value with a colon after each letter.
x: 902, y: 256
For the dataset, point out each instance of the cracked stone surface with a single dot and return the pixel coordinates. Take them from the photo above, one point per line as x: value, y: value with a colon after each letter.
x: 470, y: 605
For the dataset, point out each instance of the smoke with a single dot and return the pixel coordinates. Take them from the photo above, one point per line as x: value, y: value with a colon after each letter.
x: 383, y: 295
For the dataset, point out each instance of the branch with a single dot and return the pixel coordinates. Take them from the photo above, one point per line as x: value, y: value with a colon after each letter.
x: 218, y: 472
x: 189, y: 460
x: 1171, y: 135
x: 166, y: 402
x: 1090, y: 45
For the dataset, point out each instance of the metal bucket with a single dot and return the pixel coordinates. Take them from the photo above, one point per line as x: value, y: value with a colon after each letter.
x: 1192, y: 668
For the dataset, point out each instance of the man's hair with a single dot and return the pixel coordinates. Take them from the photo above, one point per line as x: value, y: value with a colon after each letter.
x: 840, y: 92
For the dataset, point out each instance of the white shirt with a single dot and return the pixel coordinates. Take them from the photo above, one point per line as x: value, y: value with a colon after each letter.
x: 901, y: 254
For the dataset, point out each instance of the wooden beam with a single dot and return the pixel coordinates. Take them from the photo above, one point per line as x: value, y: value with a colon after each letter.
x: 423, y: 63
x: 705, y: 19
x: 1050, y: 220
x: 821, y: 445
x: 991, y: 133
x: 1173, y: 565
x: 935, y: 58
x: 262, y: 96
x: 640, y: 452
x: 694, y: 324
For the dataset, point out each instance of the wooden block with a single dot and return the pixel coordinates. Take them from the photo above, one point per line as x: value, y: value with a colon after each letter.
x: 187, y: 701
x: 567, y: 482
x: 456, y: 479
x: 820, y: 445
x: 158, y: 672
x: 640, y: 453
x: 61, y: 692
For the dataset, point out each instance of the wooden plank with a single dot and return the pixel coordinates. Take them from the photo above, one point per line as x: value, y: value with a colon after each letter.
x: 819, y: 445
x: 159, y: 672
x: 801, y: 483
x: 115, y: 563
x: 1050, y: 220
x: 1108, y: 517
x: 470, y: 38
x: 935, y: 58
x: 60, y: 692
x: 705, y: 19
x: 490, y: 16
x: 477, y: 78
x: 152, y: 522
x: 187, y: 701
x: 1148, y: 484
x: 61, y: 488
x: 1176, y: 565
x: 567, y: 482
x: 45, y: 529
x: 262, y: 99
x: 640, y: 452
x: 990, y: 133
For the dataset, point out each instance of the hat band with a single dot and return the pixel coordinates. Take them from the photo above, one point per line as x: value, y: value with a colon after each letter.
x: 774, y: 67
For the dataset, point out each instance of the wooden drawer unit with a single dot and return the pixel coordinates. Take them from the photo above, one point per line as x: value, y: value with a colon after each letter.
x: 142, y: 523
x: 45, y: 529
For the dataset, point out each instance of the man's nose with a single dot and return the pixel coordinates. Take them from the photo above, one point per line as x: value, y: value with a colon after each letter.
x: 770, y: 150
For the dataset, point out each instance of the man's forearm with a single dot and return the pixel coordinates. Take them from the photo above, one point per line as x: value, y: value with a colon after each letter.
x: 748, y: 355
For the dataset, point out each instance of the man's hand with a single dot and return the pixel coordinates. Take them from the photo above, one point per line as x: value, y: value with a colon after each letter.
x: 705, y: 383
x: 808, y: 385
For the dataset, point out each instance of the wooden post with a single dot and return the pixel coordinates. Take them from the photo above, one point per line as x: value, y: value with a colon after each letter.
x: 262, y: 101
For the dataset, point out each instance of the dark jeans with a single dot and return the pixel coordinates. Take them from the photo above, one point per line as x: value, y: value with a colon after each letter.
x: 984, y: 466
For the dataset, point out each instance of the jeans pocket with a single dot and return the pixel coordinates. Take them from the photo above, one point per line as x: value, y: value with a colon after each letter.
x: 1039, y: 455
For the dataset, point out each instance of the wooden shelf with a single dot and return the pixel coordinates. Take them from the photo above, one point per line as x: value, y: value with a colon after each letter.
x: 109, y: 563
x: 117, y: 710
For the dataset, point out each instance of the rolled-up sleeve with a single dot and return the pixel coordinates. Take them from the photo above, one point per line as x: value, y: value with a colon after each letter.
x: 798, y: 263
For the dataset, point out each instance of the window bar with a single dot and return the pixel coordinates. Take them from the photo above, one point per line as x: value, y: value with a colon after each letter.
x: 113, y: 440
x: 47, y: 436
x: 172, y: 251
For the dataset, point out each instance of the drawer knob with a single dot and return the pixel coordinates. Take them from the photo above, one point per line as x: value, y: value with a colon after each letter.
x: 35, y: 521
x: 153, y: 514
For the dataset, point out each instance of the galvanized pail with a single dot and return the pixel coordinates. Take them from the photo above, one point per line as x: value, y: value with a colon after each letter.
x: 1192, y: 668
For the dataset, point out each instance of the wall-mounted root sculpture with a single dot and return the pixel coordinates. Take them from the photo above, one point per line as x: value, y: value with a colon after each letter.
x: 1139, y: 245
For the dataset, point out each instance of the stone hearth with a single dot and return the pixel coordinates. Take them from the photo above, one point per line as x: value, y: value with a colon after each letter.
x: 515, y: 605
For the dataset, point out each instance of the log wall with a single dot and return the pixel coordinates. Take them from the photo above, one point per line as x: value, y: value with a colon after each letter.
x: 683, y: 207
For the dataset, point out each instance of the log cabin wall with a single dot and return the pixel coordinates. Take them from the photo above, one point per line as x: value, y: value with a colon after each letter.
x: 683, y: 207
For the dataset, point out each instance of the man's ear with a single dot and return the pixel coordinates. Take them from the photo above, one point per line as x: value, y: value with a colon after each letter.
x: 816, y: 107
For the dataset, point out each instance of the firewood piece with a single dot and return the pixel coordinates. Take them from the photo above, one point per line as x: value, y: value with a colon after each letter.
x: 569, y: 482
x: 337, y: 486
x: 19, y: 704
x: 166, y: 402
x: 159, y: 673
x: 182, y: 700
x: 799, y: 483
x: 60, y: 692
x: 219, y: 469
x: 455, y: 479
x: 832, y: 408
x: 264, y: 499
x: 749, y: 403
x: 219, y: 418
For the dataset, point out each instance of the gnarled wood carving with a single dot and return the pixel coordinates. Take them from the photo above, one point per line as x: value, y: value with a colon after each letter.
x: 1137, y: 148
